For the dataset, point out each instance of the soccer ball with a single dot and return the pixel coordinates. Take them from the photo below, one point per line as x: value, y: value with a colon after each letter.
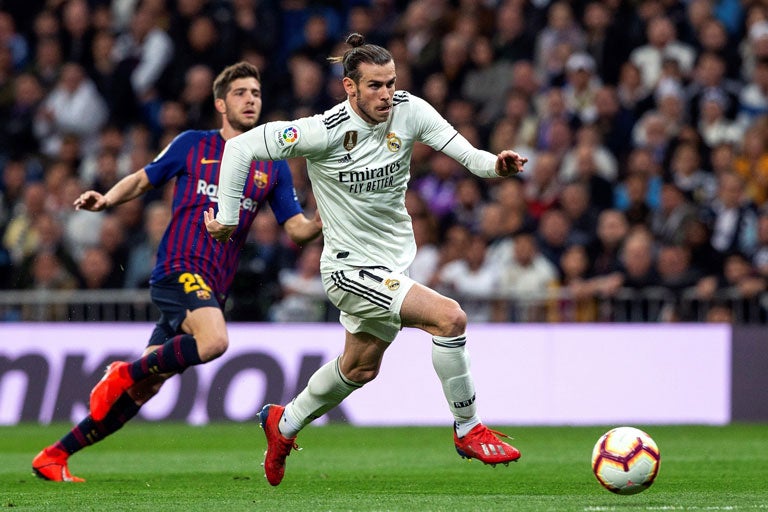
x: 626, y: 460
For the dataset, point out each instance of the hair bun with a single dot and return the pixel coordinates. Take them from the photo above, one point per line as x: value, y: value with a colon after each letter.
x: 355, y: 40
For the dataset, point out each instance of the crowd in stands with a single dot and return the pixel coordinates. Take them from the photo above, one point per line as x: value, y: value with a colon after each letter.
x: 645, y: 122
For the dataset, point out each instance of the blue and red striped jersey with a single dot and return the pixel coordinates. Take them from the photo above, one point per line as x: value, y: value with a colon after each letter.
x: 193, y: 158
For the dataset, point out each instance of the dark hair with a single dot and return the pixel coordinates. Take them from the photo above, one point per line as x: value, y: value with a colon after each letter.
x: 230, y: 74
x: 361, y: 52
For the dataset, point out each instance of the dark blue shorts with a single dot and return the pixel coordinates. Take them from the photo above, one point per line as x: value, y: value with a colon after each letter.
x: 174, y: 295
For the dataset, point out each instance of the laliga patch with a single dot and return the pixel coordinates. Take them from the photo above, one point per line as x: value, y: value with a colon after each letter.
x: 287, y: 136
x: 392, y: 284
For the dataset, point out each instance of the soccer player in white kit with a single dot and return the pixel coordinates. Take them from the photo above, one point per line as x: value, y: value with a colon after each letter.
x: 358, y: 158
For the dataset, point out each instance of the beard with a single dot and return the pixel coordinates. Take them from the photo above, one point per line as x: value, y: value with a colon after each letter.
x: 241, y: 126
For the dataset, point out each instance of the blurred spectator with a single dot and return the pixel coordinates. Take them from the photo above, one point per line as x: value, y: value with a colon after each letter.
x: 606, y: 39
x: 662, y: 43
x: 467, y: 209
x: 575, y: 202
x: 453, y: 247
x: 20, y: 237
x: 733, y: 221
x: 760, y: 257
x: 49, y: 241
x: 581, y: 85
x: 753, y: 98
x: 715, y: 128
x: 104, y: 67
x: 113, y: 240
x: 15, y: 42
x: 427, y: 253
x: 739, y: 284
x: 704, y: 257
x: 638, y: 260
x: 438, y: 188
x: 48, y: 61
x: 111, y: 139
x: 487, y: 81
x: 97, y: 270
x: 687, y: 174
x: 512, y: 39
x: 470, y: 280
x: 73, y: 107
x: 542, y: 186
x: 553, y: 235
x: 587, y: 173
x: 673, y: 266
x: 561, y: 36
x: 604, y: 252
x: 302, y: 296
x: 196, y: 96
x: 631, y: 90
x: 77, y: 33
x: 613, y: 122
x: 17, y: 135
x: 453, y: 59
x: 635, y: 199
x: 588, y: 139
x: 576, y: 302
x: 528, y: 275
x: 668, y: 222
x: 751, y: 163
x: 47, y: 273
x: 418, y: 26
x: 264, y: 257
x: 143, y: 53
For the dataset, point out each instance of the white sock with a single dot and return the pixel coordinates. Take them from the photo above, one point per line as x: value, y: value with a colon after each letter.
x: 326, y: 389
x: 451, y: 362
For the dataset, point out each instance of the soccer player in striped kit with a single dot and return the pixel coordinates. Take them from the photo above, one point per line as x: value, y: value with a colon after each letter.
x: 193, y: 273
x: 358, y: 158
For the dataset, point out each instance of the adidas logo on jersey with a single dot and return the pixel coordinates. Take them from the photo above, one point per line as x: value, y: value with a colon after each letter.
x: 345, y: 159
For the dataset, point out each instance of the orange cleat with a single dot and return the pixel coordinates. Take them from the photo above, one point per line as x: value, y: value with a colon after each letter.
x: 278, y: 446
x: 51, y: 464
x: 115, y: 381
x: 483, y: 444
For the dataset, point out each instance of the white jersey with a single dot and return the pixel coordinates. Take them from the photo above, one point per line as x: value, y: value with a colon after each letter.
x: 359, y: 173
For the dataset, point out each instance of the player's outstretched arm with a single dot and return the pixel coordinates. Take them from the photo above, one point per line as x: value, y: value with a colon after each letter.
x: 302, y: 229
x: 128, y: 188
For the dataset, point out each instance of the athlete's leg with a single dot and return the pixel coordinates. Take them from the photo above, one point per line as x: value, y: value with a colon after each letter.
x: 334, y: 381
x: 51, y: 462
x: 444, y: 319
x: 327, y: 388
x: 194, y: 333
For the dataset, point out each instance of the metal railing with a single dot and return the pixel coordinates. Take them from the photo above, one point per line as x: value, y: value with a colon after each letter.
x: 552, y: 306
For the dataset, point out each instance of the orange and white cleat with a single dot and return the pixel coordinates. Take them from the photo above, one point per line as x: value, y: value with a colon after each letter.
x: 115, y: 381
x: 51, y: 464
x: 278, y: 446
x: 483, y: 444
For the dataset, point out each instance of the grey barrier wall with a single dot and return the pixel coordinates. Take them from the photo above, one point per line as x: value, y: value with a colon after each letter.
x: 749, y: 389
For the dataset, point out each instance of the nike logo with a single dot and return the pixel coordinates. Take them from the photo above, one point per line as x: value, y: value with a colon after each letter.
x: 207, y: 161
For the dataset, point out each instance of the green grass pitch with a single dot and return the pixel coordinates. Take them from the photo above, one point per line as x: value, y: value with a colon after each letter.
x: 168, y: 467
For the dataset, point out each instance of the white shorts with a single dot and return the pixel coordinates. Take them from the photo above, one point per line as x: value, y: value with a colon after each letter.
x: 369, y: 299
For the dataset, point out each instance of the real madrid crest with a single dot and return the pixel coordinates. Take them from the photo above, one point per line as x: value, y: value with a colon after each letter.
x: 260, y: 179
x: 393, y: 142
x: 350, y: 140
x: 392, y: 284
